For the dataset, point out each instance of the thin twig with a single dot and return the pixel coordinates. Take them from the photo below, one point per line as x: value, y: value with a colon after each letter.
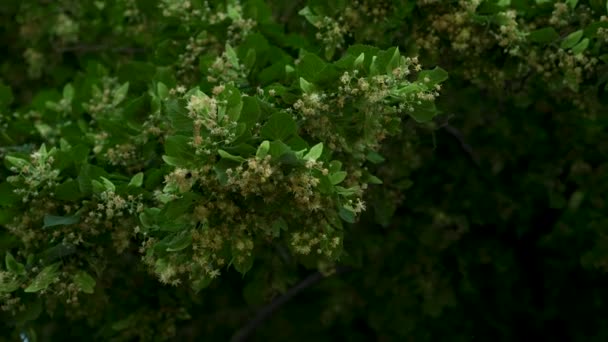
x: 291, y: 8
x: 100, y: 48
x: 245, y: 332
x: 463, y: 144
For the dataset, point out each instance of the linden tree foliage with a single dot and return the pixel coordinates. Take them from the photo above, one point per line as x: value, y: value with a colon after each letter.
x: 169, y: 165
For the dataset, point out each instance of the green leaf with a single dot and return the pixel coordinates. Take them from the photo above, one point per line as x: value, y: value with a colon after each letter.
x: 120, y: 94
x: 279, y: 127
x: 68, y: 92
x: 9, y: 285
x: 6, y: 95
x: 232, y: 57
x: 306, y: 86
x: 52, y: 220
x: 46, y: 277
x: 279, y: 225
x: 572, y: 39
x: 375, y: 157
x: 17, y: 162
x: 178, y: 147
x: 137, y: 180
x: 7, y: 195
x: 162, y: 90
x: 85, y: 282
x: 572, y: 3
x: 315, y: 152
x: 373, y: 179
x: 359, y: 61
x: 107, y: 184
x: 337, y: 178
x: 263, y: 149
x: 347, y: 215
x: 242, y: 265
x: 335, y: 166
x: 278, y: 149
x: 229, y: 156
x: 430, y: 78
x: 180, y: 241
x: 424, y: 111
x: 12, y: 265
x: 581, y: 46
x: 543, y: 35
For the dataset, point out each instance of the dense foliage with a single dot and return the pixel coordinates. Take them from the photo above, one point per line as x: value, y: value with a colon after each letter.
x: 170, y: 167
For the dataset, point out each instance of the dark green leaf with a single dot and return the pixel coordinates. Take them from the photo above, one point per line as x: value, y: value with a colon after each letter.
x: 279, y: 127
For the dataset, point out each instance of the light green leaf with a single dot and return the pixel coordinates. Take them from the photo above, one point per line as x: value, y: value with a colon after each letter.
x: 359, y: 60
x: 17, y: 162
x: 337, y: 177
x: 107, y: 184
x: 85, y: 282
x: 13, y: 266
x: 121, y: 93
x: 46, y: 277
x: 315, y: 152
x: 137, y: 180
x: 581, y: 46
x: 430, y: 78
x: 180, y: 242
x: 68, y: 92
x: 232, y: 57
x: 263, y: 149
x: 572, y: 39
x: 347, y: 215
x: 9, y: 285
x: 162, y: 90
x: 229, y: 156
x: 306, y: 86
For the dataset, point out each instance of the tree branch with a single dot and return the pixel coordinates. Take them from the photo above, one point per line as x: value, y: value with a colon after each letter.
x: 453, y: 131
x: 245, y: 332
